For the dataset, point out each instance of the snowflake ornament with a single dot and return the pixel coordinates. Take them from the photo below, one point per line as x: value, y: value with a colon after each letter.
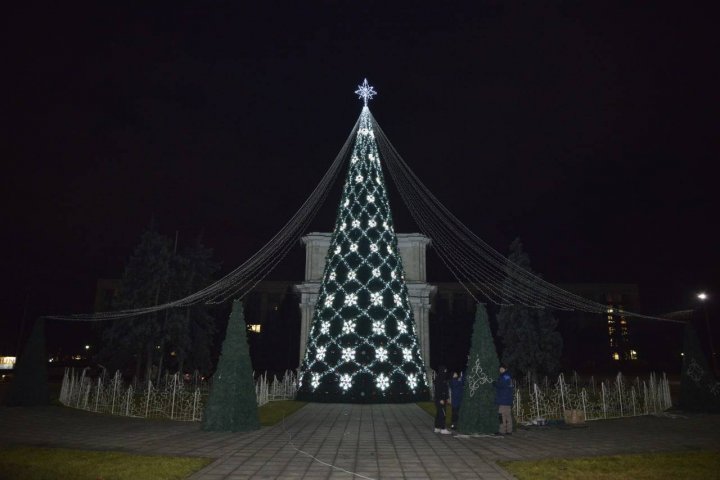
x: 348, y: 354
x: 345, y: 381
x: 382, y: 382
x: 315, y: 382
x: 324, y: 328
x: 381, y: 354
x: 412, y: 381
x: 351, y: 299
x: 376, y: 299
x: 376, y: 272
x: 353, y: 247
x: 378, y: 327
x: 371, y: 198
x: 329, y: 300
x: 372, y: 223
x: 320, y: 353
x: 348, y: 327
x: 407, y: 354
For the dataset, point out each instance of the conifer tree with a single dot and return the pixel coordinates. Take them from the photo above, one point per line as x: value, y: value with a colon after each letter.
x: 232, y: 404
x: 30, y: 384
x: 479, y: 414
x: 362, y: 345
x: 531, y: 343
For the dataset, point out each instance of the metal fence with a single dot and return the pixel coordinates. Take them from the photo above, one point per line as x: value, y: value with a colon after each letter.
x: 607, y: 399
x: 182, y: 398
x: 174, y: 397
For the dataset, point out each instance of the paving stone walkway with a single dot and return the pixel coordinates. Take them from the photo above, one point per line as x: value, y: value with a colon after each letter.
x: 326, y: 441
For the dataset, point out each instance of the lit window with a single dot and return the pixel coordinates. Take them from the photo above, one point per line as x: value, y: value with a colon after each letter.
x: 633, y: 355
x: 255, y: 328
x: 616, y: 356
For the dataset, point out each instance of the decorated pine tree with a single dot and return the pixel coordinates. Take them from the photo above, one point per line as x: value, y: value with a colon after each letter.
x: 232, y: 406
x: 362, y: 345
x: 699, y: 389
x: 479, y: 414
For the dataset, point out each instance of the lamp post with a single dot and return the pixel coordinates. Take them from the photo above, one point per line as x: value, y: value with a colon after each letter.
x: 703, y: 297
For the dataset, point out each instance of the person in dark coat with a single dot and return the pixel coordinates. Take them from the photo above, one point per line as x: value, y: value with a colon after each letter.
x: 441, y: 397
x: 504, y: 400
x: 457, y: 383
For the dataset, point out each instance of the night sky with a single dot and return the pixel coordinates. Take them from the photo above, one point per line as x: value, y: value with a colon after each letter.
x: 589, y: 129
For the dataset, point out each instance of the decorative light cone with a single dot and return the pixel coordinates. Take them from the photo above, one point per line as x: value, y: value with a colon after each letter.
x: 362, y: 346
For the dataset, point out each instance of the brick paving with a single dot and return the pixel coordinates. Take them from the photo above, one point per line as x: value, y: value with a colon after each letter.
x: 373, y: 441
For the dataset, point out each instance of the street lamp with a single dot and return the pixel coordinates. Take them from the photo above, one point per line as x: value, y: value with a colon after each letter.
x: 703, y: 297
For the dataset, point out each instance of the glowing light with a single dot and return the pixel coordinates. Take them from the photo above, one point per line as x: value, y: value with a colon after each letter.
x: 320, y: 353
x: 412, y: 381
x: 407, y: 354
x: 381, y: 354
x: 348, y: 354
x: 402, y: 328
x: 329, y: 300
x: 345, y: 381
x: 372, y: 223
x: 365, y: 91
x: 351, y: 299
x: 354, y: 247
x: 315, y: 380
x: 371, y: 198
x: 376, y: 300
x: 374, y: 247
x: 359, y: 179
x: 348, y: 327
x: 382, y: 382
x: 376, y: 272
x: 702, y: 296
x: 325, y: 328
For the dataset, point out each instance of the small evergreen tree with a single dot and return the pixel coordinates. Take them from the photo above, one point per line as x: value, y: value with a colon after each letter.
x: 531, y: 343
x: 699, y: 389
x: 30, y: 385
x: 479, y: 414
x: 232, y: 405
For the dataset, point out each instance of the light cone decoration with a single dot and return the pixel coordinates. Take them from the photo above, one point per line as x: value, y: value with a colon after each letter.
x: 362, y: 346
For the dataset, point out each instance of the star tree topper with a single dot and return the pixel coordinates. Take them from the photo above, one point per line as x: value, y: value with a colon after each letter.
x: 365, y: 91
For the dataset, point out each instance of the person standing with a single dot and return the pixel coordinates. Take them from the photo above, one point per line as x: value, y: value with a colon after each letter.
x: 456, y: 393
x: 441, y: 397
x: 504, y: 400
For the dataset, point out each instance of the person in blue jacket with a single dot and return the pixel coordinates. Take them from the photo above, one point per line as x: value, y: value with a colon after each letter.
x: 441, y: 397
x: 504, y: 400
x: 457, y: 383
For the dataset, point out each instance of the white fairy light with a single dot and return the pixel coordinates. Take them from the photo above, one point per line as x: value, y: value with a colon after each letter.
x: 338, y: 249
x: 332, y: 275
x: 359, y: 179
x: 356, y: 223
x: 365, y: 91
x: 351, y: 275
x: 348, y: 327
x: 381, y: 354
x: 351, y: 299
x: 397, y: 299
x: 382, y: 382
x: 345, y: 381
x: 329, y: 300
x: 372, y: 223
x: 348, y: 354
x: 407, y: 354
x: 354, y: 247
x: 376, y: 272
x: 371, y: 198
x: 342, y: 227
x: 390, y: 249
x: 402, y: 328
x: 393, y: 274
x: 315, y: 380
x: 373, y: 247
x: 379, y: 327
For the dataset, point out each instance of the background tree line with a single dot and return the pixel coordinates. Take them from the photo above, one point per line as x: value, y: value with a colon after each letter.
x: 178, y: 339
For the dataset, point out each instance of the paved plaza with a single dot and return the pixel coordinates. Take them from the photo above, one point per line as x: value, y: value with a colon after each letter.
x: 327, y: 441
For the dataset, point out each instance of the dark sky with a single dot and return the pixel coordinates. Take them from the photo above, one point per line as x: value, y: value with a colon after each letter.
x: 587, y: 128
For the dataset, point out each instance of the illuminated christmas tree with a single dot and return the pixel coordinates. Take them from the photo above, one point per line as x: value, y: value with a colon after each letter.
x: 362, y: 345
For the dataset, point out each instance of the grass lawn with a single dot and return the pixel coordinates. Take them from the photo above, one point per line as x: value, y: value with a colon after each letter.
x: 274, y: 412
x: 40, y: 463
x: 647, y: 466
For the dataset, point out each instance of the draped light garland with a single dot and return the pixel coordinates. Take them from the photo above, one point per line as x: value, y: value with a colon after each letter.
x: 485, y: 273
